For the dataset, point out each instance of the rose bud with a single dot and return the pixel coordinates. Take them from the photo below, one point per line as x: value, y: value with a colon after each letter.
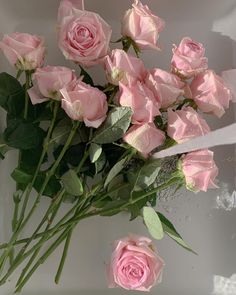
x: 84, y: 36
x: 83, y: 102
x: 24, y: 51
x: 186, y: 124
x: 135, y: 265
x: 200, y: 170
x: 210, y: 93
x: 144, y: 138
x: 141, y: 100
x: 141, y: 25
x: 49, y: 81
x: 166, y: 87
x: 189, y: 58
x: 122, y: 67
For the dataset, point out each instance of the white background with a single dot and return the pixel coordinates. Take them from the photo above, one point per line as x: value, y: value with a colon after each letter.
x: 211, y: 232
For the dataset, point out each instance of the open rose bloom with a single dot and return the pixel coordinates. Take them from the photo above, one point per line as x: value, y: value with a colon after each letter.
x: 109, y: 147
x: 135, y: 265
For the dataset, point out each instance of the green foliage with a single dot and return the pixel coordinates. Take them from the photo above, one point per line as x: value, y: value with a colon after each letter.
x: 115, y: 126
x: 72, y: 183
x: 86, y: 77
x: 115, y: 170
x: 153, y: 223
x: 170, y: 230
x: 95, y: 152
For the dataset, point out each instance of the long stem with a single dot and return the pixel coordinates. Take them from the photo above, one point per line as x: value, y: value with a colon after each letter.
x: 35, y: 205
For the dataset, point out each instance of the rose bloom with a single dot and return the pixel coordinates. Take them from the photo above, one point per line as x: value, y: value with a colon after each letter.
x: 140, y: 24
x: 166, y: 87
x: 122, y: 67
x: 49, y: 81
x: 200, y: 170
x: 83, y: 102
x: 186, y: 124
x: 24, y: 51
x: 229, y: 78
x: 144, y: 138
x: 189, y: 58
x: 135, y: 265
x: 84, y: 36
x: 210, y: 93
x: 141, y: 100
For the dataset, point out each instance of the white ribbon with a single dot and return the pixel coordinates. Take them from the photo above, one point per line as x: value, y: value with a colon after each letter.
x: 223, y: 136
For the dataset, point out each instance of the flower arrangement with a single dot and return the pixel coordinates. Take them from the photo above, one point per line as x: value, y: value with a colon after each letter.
x: 92, y: 145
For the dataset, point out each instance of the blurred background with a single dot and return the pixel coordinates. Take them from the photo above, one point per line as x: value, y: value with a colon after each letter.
x: 206, y: 221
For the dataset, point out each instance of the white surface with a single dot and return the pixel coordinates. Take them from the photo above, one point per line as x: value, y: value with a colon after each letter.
x: 210, y: 231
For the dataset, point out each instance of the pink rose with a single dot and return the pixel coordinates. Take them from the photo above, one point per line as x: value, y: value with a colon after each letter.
x: 229, y: 78
x: 84, y: 36
x: 186, y: 124
x: 141, y: 100
x: 135, y: 265
x: 140, y: 24
x: 24, y: 51
x: 210, y: 93
x: 189, y: 58
x: 83, y: 102
x: 144, y: 138
x: 48, y: 83
x: 200, y: 170
x: 166, y: 87
x: 122, y: 67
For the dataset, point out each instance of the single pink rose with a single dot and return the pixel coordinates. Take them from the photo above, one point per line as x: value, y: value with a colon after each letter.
x: 49, y: 81
x: 141, y: 100
x: 189, y: 58
x: 144, y: 138
x: 135, y: 265
x: 84, y: 36
x: 200, y: 170
x: 166, y: 87
x: 24, y: 51
x: 122, y: 67
x: 83, y: 102
x: 229, y: 78
x: 141, y: 25
x: 210, y: 93
x: 186, y: 124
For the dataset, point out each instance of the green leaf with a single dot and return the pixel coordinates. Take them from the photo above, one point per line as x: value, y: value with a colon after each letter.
x: 114, y: 127
x: 4, y: 148
x: 86, y: 77
x: 52, y: 187
x: 113, y: 208
x: 115, y: 170
x: 72, y: 183
x: 146, y: 175
x: 170, y: 230
x: 21, y: 176
x: 23, y: 135
x: 100, y: 163
x: 95, y: 152
x: 11, y: 94
x: 153, y: 223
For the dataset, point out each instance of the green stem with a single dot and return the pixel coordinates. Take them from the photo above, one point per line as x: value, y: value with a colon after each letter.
x: 64, y: 255
x: 27, y: 86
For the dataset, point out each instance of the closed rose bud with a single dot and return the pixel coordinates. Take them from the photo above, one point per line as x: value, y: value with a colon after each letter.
x: 166, y: 87
x: 144, y: 138
x: 210, y: 93
x: 141, y: 25
x: 24, y: 51
x: 83, y: 102
x: 84, y: 37
x: 48, y: 81
x: 141, y: 100
x: 135, y: 265
x: 123, y: 67
x: 186, y: 124
x: 189, y: 58
x: 200, y: 170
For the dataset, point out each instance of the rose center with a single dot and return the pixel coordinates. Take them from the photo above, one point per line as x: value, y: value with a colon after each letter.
x: 194, y: 46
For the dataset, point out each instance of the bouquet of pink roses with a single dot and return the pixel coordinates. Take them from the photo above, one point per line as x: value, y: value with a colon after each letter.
x: 92, y: 145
